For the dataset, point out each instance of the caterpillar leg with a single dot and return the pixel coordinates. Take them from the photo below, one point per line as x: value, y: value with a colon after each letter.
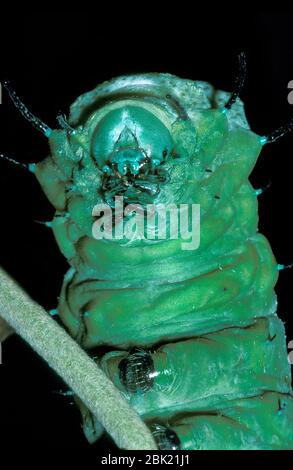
x: 92, y: 428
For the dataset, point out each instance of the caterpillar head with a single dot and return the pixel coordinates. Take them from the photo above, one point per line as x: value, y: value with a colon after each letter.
x: 130, y: 146
x: 153, y: 139
x: 147, y: 138
x: 133, y: 137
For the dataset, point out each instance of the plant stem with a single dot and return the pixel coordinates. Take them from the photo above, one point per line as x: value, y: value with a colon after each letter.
x: 75, y: 367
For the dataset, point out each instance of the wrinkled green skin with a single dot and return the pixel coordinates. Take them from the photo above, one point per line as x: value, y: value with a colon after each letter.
x: 208, y: 316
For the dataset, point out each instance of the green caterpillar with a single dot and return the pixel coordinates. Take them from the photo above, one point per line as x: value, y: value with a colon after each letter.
x: 193, y: 339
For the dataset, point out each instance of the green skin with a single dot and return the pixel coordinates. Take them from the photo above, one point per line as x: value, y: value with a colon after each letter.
x: 223, y: 382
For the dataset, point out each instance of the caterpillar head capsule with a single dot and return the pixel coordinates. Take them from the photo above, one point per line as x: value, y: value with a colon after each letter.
x: 130, y: 144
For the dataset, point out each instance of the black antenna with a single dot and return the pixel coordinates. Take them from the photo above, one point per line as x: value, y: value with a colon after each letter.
x: 27, y: 166
x: 278, y: 133
x: 36, y: 122
x: 239, y: 82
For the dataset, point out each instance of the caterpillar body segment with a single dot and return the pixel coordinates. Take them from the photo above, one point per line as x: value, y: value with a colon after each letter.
x: 193, y: 337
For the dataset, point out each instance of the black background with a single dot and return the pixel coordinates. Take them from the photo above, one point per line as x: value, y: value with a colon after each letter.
x: 52, y: 60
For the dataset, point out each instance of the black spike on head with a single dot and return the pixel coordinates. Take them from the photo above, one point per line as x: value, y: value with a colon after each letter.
x: 278, y: 133
x: 30, y: 117
x: 239, y: 82
x: 27, y: 166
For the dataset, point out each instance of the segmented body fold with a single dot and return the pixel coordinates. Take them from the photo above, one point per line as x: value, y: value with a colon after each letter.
x: 192, y: 336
